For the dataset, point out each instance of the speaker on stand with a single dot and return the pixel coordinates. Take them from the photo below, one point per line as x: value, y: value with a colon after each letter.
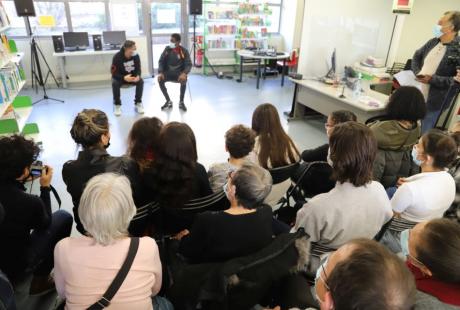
x: 25, y: 8
x: 195, y: 8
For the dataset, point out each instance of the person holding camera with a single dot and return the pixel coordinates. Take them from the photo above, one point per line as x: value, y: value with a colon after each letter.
x: 434, y: 68
x: 29, y: 231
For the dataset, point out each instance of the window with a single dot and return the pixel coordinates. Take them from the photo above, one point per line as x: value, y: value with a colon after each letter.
x: 88, y: 16
x: 18, y: 27
x: 54, y: 9
x: 124, y: 15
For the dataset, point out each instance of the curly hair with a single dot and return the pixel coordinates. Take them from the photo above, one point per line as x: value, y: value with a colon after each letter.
x: 16, y: 154
x: 143, y: 140
x: 88, y: 127
x: 239, y: 141
x: 173, y: 172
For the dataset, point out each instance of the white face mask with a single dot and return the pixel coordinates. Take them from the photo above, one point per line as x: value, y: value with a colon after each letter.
x: 437, y: 31
x: 135, y: 53
x: 172, y: 45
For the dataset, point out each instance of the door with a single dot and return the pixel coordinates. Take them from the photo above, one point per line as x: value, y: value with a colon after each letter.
x: 167, y: 17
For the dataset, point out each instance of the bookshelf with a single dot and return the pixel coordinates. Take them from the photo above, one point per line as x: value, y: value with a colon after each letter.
x: 14, y: 109
x: 232, y: 27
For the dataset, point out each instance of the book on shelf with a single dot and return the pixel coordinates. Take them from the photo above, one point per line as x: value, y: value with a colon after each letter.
x: 11, y: 78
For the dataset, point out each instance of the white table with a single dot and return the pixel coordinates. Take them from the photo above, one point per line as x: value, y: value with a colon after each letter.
x: 325, y: 99
x: 250, y: 55
x: 89, y: 52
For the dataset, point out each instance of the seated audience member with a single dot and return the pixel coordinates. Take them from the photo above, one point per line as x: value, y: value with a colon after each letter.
x: 29, y: 230
x: 397, y: 134
x: 357, y: 207
x: 273, y: 147
x: 432, y: 250
x: 87, y: 265
x: 90, y: 130
x: 143, y: 147
x: 426, y: 195
x: 429, y: 194
x: 454, y: 170
x: 363, y: 275
x: 243, y: 229
x: 239, y: 142
x: 320, y: 180
x: 176, y: 175
x: 174, y: 66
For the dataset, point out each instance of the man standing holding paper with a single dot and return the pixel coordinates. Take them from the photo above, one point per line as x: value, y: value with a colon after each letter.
x: 432, y: 67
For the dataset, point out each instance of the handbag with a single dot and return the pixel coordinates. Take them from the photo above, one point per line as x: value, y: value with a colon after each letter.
x: 119, y: 278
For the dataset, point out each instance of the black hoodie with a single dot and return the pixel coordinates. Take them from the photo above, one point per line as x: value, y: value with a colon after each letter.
x: 122, y: 66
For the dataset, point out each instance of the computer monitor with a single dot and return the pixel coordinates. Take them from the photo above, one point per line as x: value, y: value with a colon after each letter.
x: 114, y: 38
x: 76, y: 40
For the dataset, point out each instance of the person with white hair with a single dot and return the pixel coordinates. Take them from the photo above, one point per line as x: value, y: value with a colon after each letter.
x: 85, y: 266
x: 243, y: 229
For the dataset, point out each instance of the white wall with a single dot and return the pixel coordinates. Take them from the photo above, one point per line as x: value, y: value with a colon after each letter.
x: 419, y: 24
x: 291, y: 23
x: 355, y: 28
x: 79, y: 68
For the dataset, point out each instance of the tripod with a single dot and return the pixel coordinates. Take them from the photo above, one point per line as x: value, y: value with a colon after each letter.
x: 449, y: 101
x: 194, y: 40
x: 36, y: 71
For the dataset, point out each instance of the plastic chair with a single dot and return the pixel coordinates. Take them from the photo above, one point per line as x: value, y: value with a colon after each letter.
x: 186, y: 215
x: 281, y: 174
x: 291, y: 63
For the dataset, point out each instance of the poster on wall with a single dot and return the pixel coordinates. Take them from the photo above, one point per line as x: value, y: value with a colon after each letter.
x: 402, y: 6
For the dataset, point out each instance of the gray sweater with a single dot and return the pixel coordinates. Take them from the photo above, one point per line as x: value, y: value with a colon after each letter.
x: 345, y: 213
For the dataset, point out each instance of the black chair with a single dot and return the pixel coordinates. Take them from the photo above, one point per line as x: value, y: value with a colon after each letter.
x: 382, y: 231
x: 142, y: 222
x: 281, y: 174
x: 184, y: 217
x: 7, y: 301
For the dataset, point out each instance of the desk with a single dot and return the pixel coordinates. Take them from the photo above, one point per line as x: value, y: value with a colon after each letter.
x: 61, y: 59
x: 325, y: 99
x: 250, y: 55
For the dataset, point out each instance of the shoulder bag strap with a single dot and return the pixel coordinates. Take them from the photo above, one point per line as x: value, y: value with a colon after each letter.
x: 119, y: 278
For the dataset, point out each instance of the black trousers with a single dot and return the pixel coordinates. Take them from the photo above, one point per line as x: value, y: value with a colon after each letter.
x: 116, y: 86
x: 172, y: 77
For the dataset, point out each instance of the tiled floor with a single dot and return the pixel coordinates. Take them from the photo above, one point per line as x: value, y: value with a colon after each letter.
x: 213, y: 107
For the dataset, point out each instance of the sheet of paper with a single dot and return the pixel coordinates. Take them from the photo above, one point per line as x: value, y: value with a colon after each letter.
x: 407, y: 78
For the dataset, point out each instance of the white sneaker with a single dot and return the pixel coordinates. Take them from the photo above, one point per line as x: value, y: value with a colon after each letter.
x: 117, y: 110
x: 139, y: 108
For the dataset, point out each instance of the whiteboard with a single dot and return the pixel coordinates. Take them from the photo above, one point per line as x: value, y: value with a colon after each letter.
x: 355, y: 28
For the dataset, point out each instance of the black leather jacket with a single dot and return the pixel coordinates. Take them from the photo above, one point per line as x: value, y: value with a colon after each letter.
x: 91, y: 162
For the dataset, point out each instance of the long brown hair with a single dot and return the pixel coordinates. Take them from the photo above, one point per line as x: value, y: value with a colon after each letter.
x: 143, y: 140
x: 276, y: 147
x: 173, y: 172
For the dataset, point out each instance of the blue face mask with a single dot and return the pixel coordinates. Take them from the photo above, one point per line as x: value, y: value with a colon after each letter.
x: 416, y: 161
x: 404, y: 239
x: 437, y: 31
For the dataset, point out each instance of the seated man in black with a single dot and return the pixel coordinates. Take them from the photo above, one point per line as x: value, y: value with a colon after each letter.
x: 126, y: 69
x: 29, y: 230
x: 174, y: 66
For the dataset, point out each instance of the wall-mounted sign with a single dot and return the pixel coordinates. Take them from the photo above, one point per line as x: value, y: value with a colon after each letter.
x: 402, y: 6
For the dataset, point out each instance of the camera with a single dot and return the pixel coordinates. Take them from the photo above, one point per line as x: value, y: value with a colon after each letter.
x: 36, y: 168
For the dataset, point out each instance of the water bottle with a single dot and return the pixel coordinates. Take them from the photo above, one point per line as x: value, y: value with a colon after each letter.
x: 357, y: 87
